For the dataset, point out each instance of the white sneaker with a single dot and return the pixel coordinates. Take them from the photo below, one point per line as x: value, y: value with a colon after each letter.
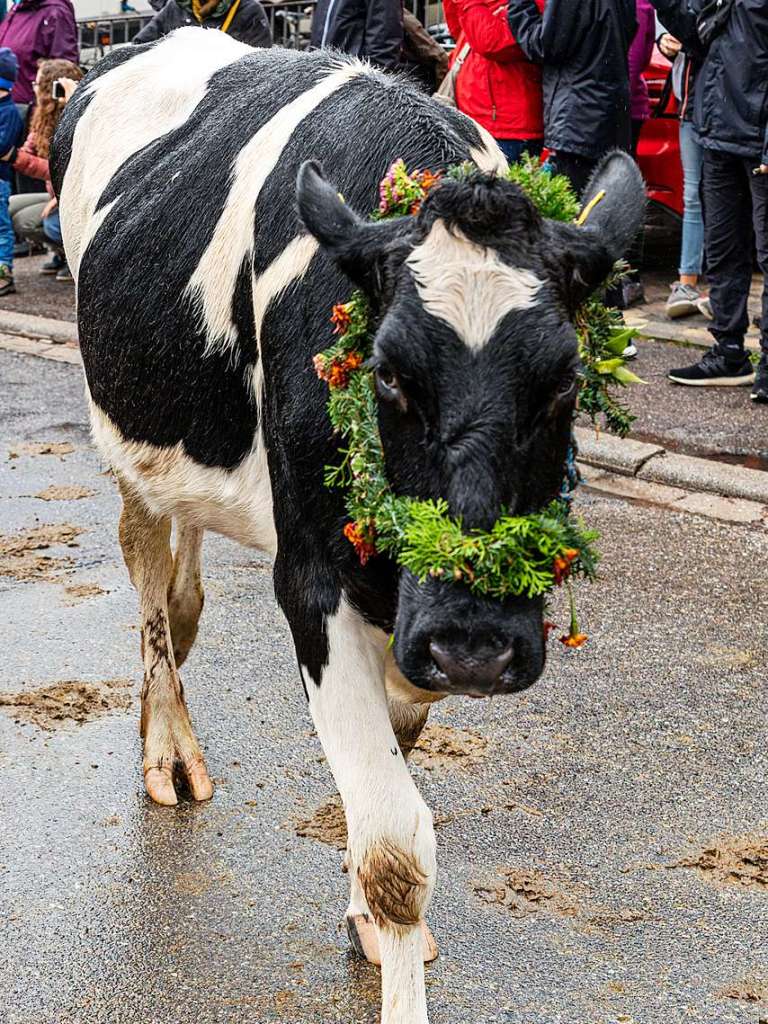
x: 705, y: 308
x: 683, y: 300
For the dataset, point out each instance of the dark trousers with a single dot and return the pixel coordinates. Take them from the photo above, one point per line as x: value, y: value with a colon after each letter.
x: 735, y: 217
x: 513, y: 149
x: 578, y: 169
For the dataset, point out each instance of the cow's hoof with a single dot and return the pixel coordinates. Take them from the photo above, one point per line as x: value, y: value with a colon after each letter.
x: 365, y: 941
x: 159, y: 782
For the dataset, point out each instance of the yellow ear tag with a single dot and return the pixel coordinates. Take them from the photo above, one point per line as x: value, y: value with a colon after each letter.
x: 581, y: 220
x: 341, y: 197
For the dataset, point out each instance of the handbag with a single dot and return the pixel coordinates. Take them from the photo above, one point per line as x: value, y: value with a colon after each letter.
x: 447, y: 91
x: 712, y: 19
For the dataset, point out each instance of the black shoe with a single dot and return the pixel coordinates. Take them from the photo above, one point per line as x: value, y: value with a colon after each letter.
x: 53, y: 265
x: 760, y: 387
x: 21, y: 249
x: 65, y: 274
x: 715, y: 371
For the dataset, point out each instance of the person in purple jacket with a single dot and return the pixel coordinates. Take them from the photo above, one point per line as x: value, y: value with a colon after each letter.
x: 640, y: 53
x: 38, y: 30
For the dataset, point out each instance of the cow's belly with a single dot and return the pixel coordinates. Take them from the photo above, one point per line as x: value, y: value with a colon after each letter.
x: 235, y: 502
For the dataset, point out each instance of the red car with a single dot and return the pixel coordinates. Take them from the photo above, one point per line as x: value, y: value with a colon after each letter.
x: 658, y: 155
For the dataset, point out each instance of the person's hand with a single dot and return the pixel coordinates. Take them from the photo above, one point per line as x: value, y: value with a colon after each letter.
x: 68, y: 85
x: 670, y: 46
x: 48, y: 209
x: 762, y: 169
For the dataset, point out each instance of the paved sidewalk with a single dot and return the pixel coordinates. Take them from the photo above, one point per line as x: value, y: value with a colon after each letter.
x: 38, y: 295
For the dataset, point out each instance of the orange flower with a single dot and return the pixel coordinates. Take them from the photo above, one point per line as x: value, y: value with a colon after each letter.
x: 319, y: 364
x: 561, y: 567
x: 574, y: 640
x: 362, y: 539
x: 340, y: 318
x: 338, y: 373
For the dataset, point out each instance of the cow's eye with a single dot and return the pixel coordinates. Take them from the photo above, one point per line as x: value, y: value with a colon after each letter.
x: 387, y: 384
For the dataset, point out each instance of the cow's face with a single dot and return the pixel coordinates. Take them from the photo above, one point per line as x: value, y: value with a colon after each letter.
x: 476, y: 366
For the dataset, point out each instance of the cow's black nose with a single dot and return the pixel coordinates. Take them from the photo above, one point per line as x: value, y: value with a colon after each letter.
x: 476, y: 670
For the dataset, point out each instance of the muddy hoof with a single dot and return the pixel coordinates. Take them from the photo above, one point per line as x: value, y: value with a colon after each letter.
x: 365, y: 941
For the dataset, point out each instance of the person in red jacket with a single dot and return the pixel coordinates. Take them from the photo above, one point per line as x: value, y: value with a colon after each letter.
x: 497, y: 85
x: 32, y: 211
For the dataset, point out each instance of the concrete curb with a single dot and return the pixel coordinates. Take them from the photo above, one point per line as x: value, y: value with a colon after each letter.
x: 676, y: 331
x: 55, y: 332
x: 655, y: 464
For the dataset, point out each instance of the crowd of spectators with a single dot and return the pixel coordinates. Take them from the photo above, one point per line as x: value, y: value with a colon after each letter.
x: 554, y: 77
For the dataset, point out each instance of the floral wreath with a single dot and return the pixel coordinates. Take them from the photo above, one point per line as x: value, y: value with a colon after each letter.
x: 520, y: 556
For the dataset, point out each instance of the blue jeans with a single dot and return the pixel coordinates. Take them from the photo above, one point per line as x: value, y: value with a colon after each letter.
x: 513, y: 149
x: 692, y: 155
x: 52, y: 228
x: 7, y: 238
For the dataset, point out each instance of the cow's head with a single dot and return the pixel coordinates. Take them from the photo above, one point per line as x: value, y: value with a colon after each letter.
x: 476, y: 374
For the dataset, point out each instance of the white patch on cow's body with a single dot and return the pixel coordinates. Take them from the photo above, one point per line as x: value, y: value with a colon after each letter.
x: 179, y: 68
x: 383, y: 807
x: 291, y: 265
x: 468, y: 286
x: 234, y: 502
x: 213, y: 282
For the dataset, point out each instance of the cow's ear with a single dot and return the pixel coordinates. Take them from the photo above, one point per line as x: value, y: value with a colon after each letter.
x: 359, y: 247
x: 611, y: 218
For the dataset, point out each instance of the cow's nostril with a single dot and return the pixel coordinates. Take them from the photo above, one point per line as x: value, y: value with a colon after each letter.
x: 474, y: 670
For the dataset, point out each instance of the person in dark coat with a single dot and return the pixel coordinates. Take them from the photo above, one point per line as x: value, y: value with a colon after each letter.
x: 730, y: 119
x: 244, y: 20
x: 583, y: 46
x: 372, y: 29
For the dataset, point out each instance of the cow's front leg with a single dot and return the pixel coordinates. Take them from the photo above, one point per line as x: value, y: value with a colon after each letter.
x: 391, y: 844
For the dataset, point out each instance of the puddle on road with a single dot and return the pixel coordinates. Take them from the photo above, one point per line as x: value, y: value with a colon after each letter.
x: 72, y: 492
x: 19, y: 558
x: 733, y: 860
x: 441, y: 746
x: 41, y: 448
x: 51, y: 707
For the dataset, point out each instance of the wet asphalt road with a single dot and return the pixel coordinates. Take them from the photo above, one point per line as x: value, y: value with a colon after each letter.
x: 624, y: 759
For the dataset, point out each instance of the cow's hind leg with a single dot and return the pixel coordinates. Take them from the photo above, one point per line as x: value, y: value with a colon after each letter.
x: 185, y: 592
x: 169, y: 742
x: 391, y: 842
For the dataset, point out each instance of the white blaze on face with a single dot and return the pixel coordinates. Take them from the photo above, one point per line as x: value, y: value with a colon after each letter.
x: 468, y: 286
x: 213, y: 283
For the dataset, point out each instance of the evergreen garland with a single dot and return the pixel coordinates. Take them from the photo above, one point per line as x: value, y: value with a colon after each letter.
x: 520, y: 555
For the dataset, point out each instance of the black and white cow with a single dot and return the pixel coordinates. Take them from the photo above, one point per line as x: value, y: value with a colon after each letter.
x: 205, y: 278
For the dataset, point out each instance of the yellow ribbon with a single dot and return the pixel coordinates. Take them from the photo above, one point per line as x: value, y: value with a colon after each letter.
x: 230, y: 16
x: 581, y: 220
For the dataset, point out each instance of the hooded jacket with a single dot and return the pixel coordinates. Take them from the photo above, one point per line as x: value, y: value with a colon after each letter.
x: 497, y: 85
x: 731, y: 98
x: 640, y: 53
x: 249, y: 24
x: 372, y: 29
x: 583, y: 45
x: 39, y: 30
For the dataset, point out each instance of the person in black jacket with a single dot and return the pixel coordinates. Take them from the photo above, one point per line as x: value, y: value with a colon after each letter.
x: 244, y: 20
x: 583, y: 45
x: 372, y: 29
x: 731, y: 121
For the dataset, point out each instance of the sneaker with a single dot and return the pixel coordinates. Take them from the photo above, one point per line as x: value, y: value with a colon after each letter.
x: 760, y: 387
x: 7, y: 285
x: 683, y: 300
x: 715, y: 371
x: 65, y: 274
x: 53, y: 265
x: 705, y: 308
